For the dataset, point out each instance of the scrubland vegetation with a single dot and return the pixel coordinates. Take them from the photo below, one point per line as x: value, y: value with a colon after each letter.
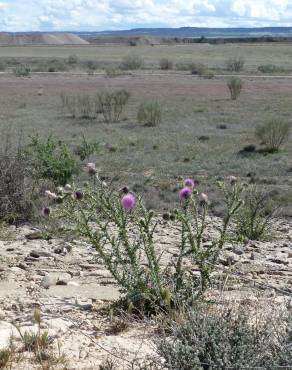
x: 105, y: 158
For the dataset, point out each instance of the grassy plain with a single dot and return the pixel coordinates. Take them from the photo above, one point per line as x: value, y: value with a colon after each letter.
x: 214, y: 56
x: 202, y: 131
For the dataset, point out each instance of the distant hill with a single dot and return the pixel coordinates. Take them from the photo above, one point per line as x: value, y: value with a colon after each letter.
x: 195, y: 32
x: 41, y: 39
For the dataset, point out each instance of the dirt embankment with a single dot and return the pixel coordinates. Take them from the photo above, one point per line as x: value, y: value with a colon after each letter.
x: 41, y: 39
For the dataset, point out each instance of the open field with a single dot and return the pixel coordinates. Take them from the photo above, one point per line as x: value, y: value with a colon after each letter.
x: 201, y: 133
x: 103, y: 279
x: 213, y: 56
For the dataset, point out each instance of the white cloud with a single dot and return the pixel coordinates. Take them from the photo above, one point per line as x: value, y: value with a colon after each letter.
x: 19, y: 15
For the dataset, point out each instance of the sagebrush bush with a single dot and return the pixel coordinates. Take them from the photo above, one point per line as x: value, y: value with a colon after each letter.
x: 16, y: 189
x: 165, y: 64
x: 86, y: 148
x: 131, y: 62
x: 184, y: 66
x: 112, y: 104
x: 209, y: 338
x: 150, y: 113
x: 91, y: 65
x: 235, y: 86
x: 254, y: 219
x: 198, y: 69
x: 270, y: 68
x: 51, y: 159
x: 2, y: 66
x: 79, y: 106
x: 56, y: 65
x: 273, y: 134
x: 235, y: 64
x: 21, y: 71
x: 73, y: 59
x: 122, y: 232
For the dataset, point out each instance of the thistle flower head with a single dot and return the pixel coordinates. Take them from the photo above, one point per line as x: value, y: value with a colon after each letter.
x: 233, y: 180
x: 166, y: 216
x: 185, y: 193
x: 203, y: 199
x: 46, y: 211
x: 68, y: 187
x: 78, y: 195
x: 91, y: 168
x: 189, y: 183
x: 60, y: 189
x: 125, y: 190
x: 128, y: 201
x: 50, y: 195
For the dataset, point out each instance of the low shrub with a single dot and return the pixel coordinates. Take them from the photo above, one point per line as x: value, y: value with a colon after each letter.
x: 273, y: 134
x: 165, y: 64
x: 79, y: 106
x: 72, y: 59
x: 235, y: 64
x: 112, y: 104
x: 2, y: 66
x: 198, y: 69
x: 86, y: 149
x: 51, y: 159
x: 131, y: 62
x: 212, y: 338
x: 150, y: 113
x: 123, y: 234
x: 271, y: 68
x: 112, y: 72
x: 91, y: 65
x: 184, y: 66
x: 21, y: 71
x: 235, y: 87
x: 17, y: 203
x: 254, y: 220
x: 57, y: 65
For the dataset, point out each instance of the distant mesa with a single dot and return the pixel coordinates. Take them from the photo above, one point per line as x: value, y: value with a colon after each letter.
x: 41, y: 39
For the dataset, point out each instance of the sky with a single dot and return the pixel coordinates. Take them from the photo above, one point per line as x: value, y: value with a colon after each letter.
x: 97, y: 15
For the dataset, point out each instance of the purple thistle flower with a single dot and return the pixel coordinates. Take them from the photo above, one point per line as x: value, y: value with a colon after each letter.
x: 166, y: 216
x: 128, y: 201
x: 125, y: 190
x: 78, y: 195
x: 189, y: 183
x: 185, y: 193
x: 46, y: 211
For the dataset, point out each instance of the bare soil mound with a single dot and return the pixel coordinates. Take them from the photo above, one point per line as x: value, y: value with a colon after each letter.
x: 41, y: 39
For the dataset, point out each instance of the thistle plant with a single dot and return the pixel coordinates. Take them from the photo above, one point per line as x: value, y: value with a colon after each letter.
x: 122, y: 230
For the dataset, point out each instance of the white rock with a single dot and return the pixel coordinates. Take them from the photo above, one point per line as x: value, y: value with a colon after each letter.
x: 6, y: 331
x: 47, y: 281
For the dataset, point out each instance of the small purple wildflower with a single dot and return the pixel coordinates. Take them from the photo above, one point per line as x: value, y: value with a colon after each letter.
x: 128, y: 201
x: 185, y: 193
x: 46, y: 211
x: 125, y: 190
x: 78, y: 195
x: 189, y: 183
